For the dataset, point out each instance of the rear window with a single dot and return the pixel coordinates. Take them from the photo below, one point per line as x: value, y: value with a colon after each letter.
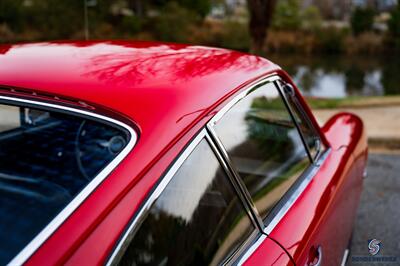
x: 46, y: 159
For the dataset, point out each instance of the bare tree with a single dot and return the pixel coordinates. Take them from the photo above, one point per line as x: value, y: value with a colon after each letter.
x: 261, y: 12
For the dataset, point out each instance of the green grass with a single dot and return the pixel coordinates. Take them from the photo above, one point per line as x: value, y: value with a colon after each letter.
x: 353, y: 102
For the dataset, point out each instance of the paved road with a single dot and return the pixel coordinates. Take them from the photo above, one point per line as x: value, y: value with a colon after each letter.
x: 379, y: 213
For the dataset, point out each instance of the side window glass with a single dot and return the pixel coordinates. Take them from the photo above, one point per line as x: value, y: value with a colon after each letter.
x: 197, y: 220
x: 46, y: 159
x: 310, y: 135
x: 264, y: 145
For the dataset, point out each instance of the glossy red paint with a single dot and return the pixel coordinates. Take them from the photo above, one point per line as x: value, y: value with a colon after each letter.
x: 270, y: 254
x: 169, y: 92
x: 324, y: 213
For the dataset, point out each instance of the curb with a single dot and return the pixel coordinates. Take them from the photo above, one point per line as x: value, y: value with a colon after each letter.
x: 384, y: 144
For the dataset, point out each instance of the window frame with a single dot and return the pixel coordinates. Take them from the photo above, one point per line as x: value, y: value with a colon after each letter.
x: 24, y: 254
x: 141, y: 214
x: 303, y: 115
x: 283, y: 206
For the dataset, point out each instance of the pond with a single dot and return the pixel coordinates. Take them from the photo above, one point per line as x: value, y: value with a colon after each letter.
x: 331, y: 76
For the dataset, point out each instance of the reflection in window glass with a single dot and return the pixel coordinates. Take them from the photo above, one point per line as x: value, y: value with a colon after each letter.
x: 46, y: 159
x: 197, y: 220
x: 310, y: 136
x: 264, y: 146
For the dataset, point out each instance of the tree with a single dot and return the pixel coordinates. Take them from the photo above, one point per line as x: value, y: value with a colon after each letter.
x: 287, y: 15
x: 261, y: 12
x: 394, y: 28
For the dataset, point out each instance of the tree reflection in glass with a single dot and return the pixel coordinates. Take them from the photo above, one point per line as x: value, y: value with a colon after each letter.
x: 264, y: 146
x: 197, y: 220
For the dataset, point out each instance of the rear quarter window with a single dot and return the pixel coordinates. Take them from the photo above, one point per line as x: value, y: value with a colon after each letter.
x: 47, y: 158
x: 263, y: 145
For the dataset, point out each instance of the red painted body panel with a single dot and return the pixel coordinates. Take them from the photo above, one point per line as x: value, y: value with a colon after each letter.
x: 325, y: 212
x: 170, y: 92
x: 269, y: 253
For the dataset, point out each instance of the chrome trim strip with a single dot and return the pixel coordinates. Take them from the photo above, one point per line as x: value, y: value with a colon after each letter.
x: 36, y: 242
x: 303, y: 115
x: 223, y: 152
x: 249, y: 88
x: 232, y: 180
x: 140, y: 215
x: 246, y: 245
x: 345, y: 257
x: 251, y: 249
x: 242, y: 191
x: 283, y: 95
x: 296, y: 194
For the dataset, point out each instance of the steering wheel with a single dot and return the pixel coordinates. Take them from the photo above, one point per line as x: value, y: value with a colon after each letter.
x: 92, y: 145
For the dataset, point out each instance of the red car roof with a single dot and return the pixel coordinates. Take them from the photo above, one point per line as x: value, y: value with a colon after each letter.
x: 134, y: 78
x: 163, y: 88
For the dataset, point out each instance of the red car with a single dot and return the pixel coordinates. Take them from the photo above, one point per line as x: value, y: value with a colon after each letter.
x: 142, y: 153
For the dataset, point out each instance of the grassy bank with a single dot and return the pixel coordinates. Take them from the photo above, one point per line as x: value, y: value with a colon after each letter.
x: 353, y: 102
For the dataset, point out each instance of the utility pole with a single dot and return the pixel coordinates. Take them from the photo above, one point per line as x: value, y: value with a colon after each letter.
x: 86, y: 5
x: 86, y: 20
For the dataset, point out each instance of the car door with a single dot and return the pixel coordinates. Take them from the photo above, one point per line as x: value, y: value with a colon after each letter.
x: 276, y: 153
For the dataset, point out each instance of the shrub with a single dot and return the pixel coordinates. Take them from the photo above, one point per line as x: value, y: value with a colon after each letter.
x: 131, y: 24
x: 394, y: 29
x: 173, y: 24
x: 311, y: 19
x: 365, y: 43
x: 229, y: 34
x: 287, y: 15
x: 331, y: 40
x: 234, y: 35
x: 362, y: 20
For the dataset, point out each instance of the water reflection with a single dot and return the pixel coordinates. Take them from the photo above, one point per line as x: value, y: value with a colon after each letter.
x: 342, y: 76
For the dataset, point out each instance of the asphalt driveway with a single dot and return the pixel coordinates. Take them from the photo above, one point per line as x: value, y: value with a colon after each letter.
x: 379, y: 212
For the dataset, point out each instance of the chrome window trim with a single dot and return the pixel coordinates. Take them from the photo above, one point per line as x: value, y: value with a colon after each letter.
x: 232, y: 179
x: 284, y: 209
x: 256, y: 232
x: 244, y: 257
x: 210, y: 127
x: 56, y: 222
x: 243, y: 192
x: 306, y: 178
x: 305, y: 117
x: 140, y: 215
x: 311, y: 171
x: 345, y: 257
x: 291, y: 113
x: 249, y: 88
